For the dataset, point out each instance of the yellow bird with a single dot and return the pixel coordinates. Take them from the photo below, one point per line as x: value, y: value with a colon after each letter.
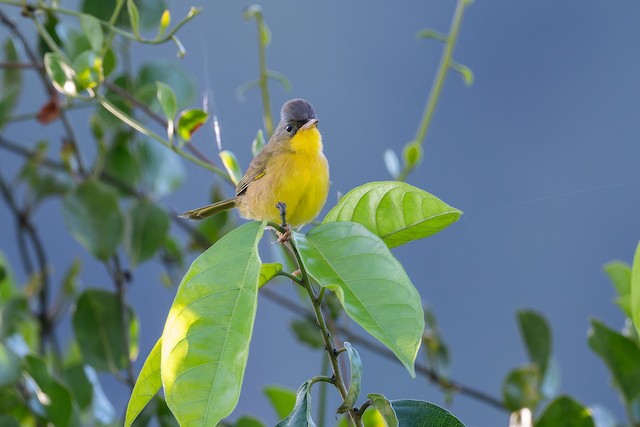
x: 291, y: 170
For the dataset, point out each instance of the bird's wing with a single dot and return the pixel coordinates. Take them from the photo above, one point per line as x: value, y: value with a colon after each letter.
x: 257, y: 169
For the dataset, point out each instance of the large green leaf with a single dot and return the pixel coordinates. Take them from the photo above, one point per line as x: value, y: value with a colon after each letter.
x: 370, y: 282
x: 420, y: 413
x: 93, y: 217
x: 205, y: 342
x: 147, y: 228
x: 635, y: 290
x: 98, y: 327
x: 566, y: 412
x: 395, y: 211
x: 621, y: 355
x: 355, y: 366
x: 300, y: 416
x: 147, y: 385
x: 536, y: 335
x: 282, y: 399
x: 9, y: 366
x: 54, y: 400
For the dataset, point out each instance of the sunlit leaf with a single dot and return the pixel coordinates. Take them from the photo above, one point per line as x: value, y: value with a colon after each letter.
x: 231, y: 164
x: 355, y: 366
x: 146, y: 230
x: 419, y: 413
x: 61, y: 74
x: 147, y: 385
x: 249, y: 421
x: 395, y: 211
x: 268, y: 271
x: 567, y: 412
x: 371, y: 284
x: 621, y: 355
x: 412, y: 154
x: 465, y: 72
x: 206, y: 337
x: 300, y: 416
x: 384, y: 407
x: 98, y: 327
x: 189, y: 121
x: 93, y: 217
x: 282, y: 399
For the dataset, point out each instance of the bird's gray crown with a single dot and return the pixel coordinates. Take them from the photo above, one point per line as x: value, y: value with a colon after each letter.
x: 297, y: 110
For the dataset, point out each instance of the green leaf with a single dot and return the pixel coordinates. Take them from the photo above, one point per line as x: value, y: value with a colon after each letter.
x: 371, y: 284
x: 79, y: 385
x: 412, y: 154
x: 355, y: 366
x: 11, y: 83
x: 93, y: 31
x: 150, y: 12
x: 431, y: 34
x: 103, y: 411
x: 635, y: 290
x: 619, y: 273
x: 419, y: 413
x: 93, y: 217
x: 258, y: 143
x: 147, y: 228
x: 307, y: 332
x: 189, y: 121
x: 300, y: 416
x: 282, y: 399
x: 383, y: 405
x: 536, y: 335
x: 167, y: 100
x: 248, y: 421
x: 465, y: 72
x: 621, y: 355
x: 120, y: 160
x: 134, y: 17
x: 268, y: 271
x: 395, y: 211
x: 70, y: 278
x: 565, y: 411
x: 88, y: 70
x: 231, y: 164
x: 169, y: 73
x: 162, y: 171
x: 53, y: 399
x: 98, y: 327
x: 147, y: 385
x: 392, y: 163
x: 205, y: 342
x: 61, y: 74
x: 521, y: 388
x: 9, y: 366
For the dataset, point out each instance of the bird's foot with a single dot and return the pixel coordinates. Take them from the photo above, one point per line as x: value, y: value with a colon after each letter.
x: 284, y: 237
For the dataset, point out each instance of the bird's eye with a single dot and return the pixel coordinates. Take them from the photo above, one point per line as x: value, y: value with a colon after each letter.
x: 289, y: 128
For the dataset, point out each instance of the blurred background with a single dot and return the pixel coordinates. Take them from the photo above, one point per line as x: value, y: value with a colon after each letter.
x: 541, y: 153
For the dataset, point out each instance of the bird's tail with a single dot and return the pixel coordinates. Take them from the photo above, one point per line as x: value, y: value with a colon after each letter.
x: 209, y: 210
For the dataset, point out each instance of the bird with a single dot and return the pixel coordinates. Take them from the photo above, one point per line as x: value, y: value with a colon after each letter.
x: 288, y: 180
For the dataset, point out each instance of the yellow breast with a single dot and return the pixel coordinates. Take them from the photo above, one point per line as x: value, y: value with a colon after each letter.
x: 298, y: 177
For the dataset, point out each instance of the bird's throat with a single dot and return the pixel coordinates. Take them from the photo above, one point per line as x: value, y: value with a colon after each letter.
x: 307, y: 141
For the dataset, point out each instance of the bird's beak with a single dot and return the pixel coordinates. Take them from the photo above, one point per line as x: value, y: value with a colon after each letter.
x: 311, y: 123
